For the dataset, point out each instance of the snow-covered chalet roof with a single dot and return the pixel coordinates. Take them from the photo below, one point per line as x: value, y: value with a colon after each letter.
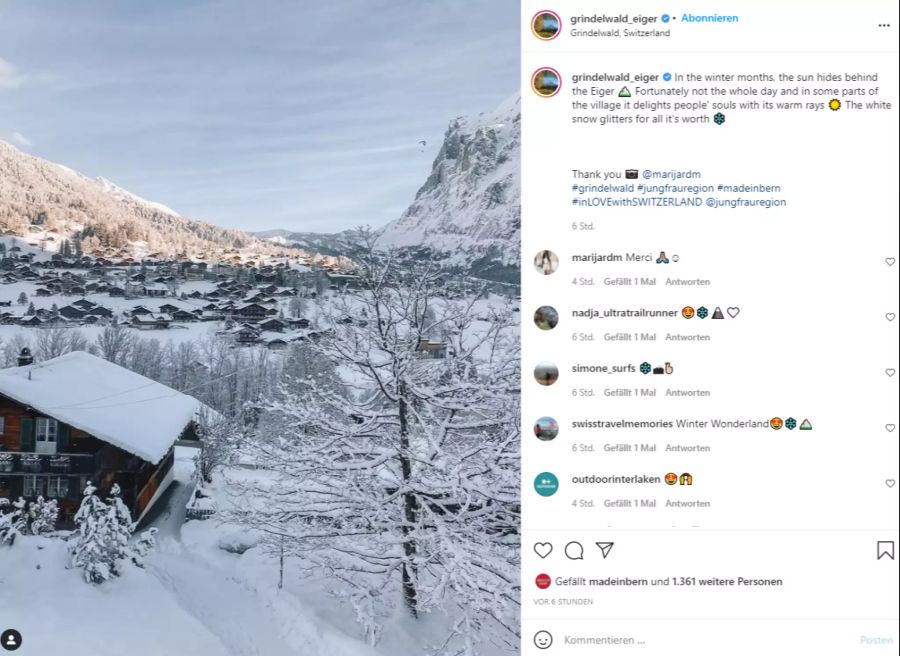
x: 116, y: 405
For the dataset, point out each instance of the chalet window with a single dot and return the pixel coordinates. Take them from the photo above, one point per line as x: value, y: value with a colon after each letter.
x: 33, y: 486
x: 2, y: 424
x: 46, y: 429
x: 57, y: 487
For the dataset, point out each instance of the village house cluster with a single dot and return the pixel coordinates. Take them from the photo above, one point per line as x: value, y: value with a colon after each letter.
x: 249, y: 295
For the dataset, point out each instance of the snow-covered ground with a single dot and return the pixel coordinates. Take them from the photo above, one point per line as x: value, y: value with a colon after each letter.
x: 57, y: 612
x: 193, y: 598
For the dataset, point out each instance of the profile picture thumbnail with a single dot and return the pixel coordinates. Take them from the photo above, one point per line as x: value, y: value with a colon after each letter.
x: 546, y: 317
x: 546, y: 25
x: 546, y: 262
x: 546, y: 373
x: 546, y: 82
x: 546, y: 429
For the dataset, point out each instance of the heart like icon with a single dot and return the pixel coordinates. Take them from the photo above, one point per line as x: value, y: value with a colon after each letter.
x: 890, y: 482
x: 890, y: 372
x: 890, y: 316
x: 733, y: 312
x: 890, y: 427
x: 543, y: 549
x: 890, y: 261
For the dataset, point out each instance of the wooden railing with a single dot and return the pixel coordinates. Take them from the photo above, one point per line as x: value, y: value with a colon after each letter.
x: 38, y: 463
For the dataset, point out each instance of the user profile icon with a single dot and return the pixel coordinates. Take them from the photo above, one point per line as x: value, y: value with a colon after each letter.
x: 546, y: 317
x: 546, y: 82
x: 10, y: 640
x: 546, y: 24
x: 546, y: 429
x: 546, y: 262
x: 546, y: 373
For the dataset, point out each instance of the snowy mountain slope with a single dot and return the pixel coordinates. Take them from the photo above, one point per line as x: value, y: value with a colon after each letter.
x: 469, y: 207
x: 123, y: 194
x: 338, y: 243
x: 468, y: 210
x: 35, y: 191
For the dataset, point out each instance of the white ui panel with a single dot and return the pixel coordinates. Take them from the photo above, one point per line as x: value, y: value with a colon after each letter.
x: 710, y: 328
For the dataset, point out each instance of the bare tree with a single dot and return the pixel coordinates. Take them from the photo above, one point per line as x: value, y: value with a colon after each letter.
x: 115, y: 343
x: 219, y: 436
x: 396, y: 454
x: 13, y: 347
x: 54, y: 342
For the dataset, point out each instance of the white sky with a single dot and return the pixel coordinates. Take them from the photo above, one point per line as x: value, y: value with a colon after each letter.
x: 255, y: 115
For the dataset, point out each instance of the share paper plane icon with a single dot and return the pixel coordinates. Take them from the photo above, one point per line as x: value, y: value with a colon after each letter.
x: 605, y: 548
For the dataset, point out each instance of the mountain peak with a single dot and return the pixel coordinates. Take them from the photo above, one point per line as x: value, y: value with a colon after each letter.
x: 469, y: 207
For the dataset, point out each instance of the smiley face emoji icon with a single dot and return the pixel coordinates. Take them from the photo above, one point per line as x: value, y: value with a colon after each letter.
x: 687, y: 312
x: 543, y: 640
x: 671, y: 478
x: 776, y: 423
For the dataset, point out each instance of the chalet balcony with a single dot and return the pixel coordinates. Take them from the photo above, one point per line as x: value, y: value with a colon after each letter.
x: 35, y: 463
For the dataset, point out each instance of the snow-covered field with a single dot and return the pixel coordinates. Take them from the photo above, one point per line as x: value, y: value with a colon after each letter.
x: 193, y: 597
x: 56, y: 612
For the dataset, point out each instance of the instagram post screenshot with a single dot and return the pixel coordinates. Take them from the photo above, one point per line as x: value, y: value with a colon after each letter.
x: 307, y: 313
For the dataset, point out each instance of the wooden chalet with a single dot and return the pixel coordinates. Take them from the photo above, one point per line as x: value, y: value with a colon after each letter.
x: 250, y: 312
x: 275, y: 325
x: 184, y: 315
x: 246, y: 334
x: 72, y: 312
x: 100, y: 311
x: 151, y: 321
x: 156, y: 290
x: 57, y: 433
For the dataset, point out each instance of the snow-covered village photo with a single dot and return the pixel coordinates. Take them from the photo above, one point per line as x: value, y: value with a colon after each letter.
x: 259, y: 344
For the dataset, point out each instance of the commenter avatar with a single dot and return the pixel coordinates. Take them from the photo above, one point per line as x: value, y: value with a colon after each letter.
x: 546, y: 262
x: 546, y: 373
x: 546, y: 317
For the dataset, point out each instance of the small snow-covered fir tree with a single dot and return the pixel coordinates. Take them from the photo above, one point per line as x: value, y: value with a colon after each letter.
x: 145, y: 543
x: 20, y: 516
x: 91, y: 549
x: 120, y: 528
x: 42, y: 516
x: 104, y: 530
x: 12, y: 522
